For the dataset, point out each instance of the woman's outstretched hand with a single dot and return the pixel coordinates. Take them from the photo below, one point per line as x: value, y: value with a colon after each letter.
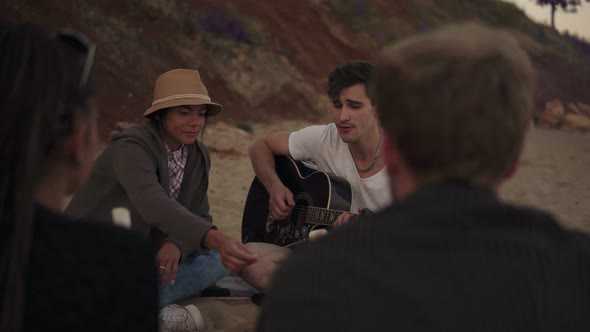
x: 234, y: 254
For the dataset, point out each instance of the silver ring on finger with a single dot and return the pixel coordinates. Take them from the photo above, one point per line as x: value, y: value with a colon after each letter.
x: 162, y: 267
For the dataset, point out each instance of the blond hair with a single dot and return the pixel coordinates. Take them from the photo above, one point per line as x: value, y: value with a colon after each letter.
x: 457, y: 101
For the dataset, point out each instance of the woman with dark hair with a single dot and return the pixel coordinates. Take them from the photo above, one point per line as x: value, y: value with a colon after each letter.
x: 56, y: 273
x: 159, y: 170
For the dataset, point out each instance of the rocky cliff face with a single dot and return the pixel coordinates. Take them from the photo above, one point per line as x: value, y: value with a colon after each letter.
x: 268, y: 60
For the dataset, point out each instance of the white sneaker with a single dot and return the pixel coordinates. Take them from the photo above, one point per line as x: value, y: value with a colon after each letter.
x: 175, y: 318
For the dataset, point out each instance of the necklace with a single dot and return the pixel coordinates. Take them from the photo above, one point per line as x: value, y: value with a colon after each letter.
x: 375, y: 158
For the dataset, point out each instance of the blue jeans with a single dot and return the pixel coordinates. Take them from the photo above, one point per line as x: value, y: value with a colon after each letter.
x: 199, y: 271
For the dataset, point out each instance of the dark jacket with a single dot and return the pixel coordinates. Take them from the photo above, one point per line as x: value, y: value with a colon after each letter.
x: 85, y: 276
x: 447, y: 258
x: 132, y: 172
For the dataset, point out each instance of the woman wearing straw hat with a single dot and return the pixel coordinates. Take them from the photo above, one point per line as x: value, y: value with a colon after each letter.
x: 159, y: 170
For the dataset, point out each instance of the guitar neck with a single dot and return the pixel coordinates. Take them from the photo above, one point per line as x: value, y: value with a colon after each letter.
x: 321, y: 216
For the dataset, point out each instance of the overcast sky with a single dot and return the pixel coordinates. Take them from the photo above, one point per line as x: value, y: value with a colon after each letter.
x: 578, y: 22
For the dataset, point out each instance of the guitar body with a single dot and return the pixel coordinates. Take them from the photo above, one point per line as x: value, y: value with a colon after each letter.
x: 319, y: 198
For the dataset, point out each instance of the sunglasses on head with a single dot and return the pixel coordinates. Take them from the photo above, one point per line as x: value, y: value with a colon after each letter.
x: 81, y: 43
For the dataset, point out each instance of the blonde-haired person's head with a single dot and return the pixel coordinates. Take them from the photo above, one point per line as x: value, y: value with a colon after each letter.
x: 457, y: 102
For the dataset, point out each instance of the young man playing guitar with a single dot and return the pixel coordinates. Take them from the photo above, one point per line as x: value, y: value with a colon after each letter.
x: 350, y: 147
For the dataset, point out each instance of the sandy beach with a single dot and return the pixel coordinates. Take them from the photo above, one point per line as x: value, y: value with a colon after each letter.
x: 553, y: 175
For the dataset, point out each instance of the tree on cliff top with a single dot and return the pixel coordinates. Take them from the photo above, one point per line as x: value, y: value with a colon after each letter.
x: 568, y: 6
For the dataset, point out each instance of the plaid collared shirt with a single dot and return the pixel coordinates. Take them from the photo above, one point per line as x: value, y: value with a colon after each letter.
x: 176, y: 163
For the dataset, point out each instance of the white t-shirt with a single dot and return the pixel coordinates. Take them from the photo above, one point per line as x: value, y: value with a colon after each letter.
x: 323, y: 146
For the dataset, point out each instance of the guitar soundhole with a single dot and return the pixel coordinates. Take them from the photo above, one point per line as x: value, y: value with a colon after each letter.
x: 297, y: 218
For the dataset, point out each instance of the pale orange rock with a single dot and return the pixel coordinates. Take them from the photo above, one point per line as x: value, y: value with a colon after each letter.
x: 575, y: 122
x: 584, y: 109
x: 552, y: 115
x: 573, y: 108
x: 122, y: 125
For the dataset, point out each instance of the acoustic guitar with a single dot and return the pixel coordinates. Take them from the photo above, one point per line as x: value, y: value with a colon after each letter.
x: 320, y: 198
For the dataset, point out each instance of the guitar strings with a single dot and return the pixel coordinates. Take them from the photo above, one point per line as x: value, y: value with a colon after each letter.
x: 317, y: 219
x: 308, y: 207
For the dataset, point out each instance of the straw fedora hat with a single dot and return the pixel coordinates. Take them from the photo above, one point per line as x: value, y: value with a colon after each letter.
x: 180, y: 87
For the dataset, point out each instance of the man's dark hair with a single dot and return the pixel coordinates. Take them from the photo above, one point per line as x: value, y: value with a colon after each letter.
x: 347, y: 75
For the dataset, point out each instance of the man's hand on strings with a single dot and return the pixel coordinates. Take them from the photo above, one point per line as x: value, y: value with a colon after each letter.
x: 281, y: 201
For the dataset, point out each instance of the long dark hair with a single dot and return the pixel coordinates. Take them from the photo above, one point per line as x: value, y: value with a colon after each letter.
x: 41, y: 97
